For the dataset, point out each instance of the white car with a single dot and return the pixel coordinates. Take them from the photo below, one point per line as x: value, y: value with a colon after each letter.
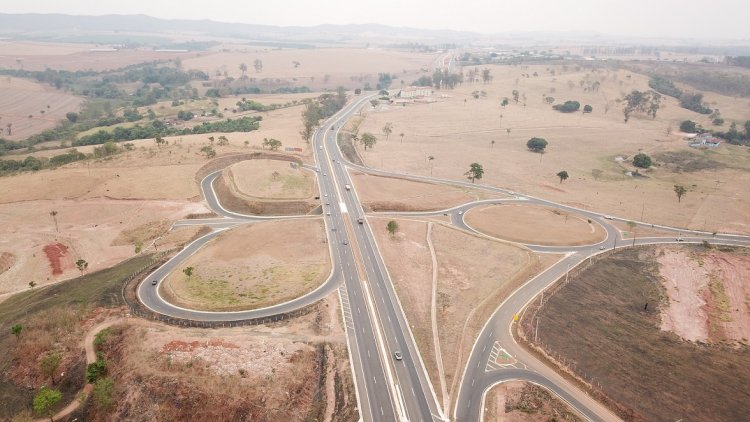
x: 460, y: 213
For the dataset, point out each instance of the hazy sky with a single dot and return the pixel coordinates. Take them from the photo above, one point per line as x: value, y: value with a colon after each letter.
x: 662, y: 18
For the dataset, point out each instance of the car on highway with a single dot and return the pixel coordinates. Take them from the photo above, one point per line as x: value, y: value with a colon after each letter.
x: 325, y: 174
x: 608, y: 217
x: 460, y: 213
x: 346, y: 242
x: 397, y: 355
x: 154, y: 282
x: 679, y: 239
x: 601, y: 248
x: 328, y: 213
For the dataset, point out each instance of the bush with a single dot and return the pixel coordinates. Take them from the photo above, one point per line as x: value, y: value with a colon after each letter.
x: 96, y: 370
x: 567, y: 106
x: 688, y: 126
x: 588, y: 109
x: 718, y: 121
x: 642, y: 160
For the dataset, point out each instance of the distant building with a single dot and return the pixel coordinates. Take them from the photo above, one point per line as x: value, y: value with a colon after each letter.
x: 705, y: 140
x: 415, y: 92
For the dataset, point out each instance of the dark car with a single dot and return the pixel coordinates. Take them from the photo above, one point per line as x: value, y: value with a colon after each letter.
x: 154, y: 282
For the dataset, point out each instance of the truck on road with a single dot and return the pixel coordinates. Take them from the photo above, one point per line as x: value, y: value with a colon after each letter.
x: 361, y: 220
x: 348, y: 187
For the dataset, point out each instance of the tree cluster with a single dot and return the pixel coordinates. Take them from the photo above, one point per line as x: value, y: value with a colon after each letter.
x: 647, y: 102
x: 325, y: 106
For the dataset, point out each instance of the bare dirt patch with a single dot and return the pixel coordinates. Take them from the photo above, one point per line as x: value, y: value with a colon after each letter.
x: 518, y: 401
x: 468, y: 288
x: 598, y: 326
x: 56, y: 254
x: 533, y: 224
x: 234, y: 201
x: 391, y: 194
x: 707, y: 294
x: 253, y: 266
x: 271, y: 179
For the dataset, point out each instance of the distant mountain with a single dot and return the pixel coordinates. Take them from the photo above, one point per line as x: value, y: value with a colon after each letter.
x: 59, y: 25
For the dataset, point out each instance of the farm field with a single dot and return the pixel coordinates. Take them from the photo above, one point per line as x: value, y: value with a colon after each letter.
x: 252, y: 266
x: 593, y: 148
x: 319, y: 67
x: 30, y: 107
x: 649, y: 360
x: 30, y: 55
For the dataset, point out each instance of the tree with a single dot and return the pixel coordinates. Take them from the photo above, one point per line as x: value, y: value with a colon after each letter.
x: 53, y: 214
x: 680, y: 191
x: 486, y: 76
x: 688, y: 126
x: 9, y: 126
x: 402, y: 136
x: 159, y: 141
x: 32, y: 284
x: 430, y: 158
x: 72, y: 116
x: 563, y: 175
x: 49, y: 364
x: 368, y: 140
x: 188, y: 271
x: 475, y: 172
x: 374, y: 103
x: 536, y: 144
x: 275, y: 175
x: 642, y: 160
x: 258, y: 65
x: 45, y: 401
x: 515, y: 94
x: 82, y: 265
x: 209, y: 151
x: 387, y: 130
x: 16, y: 330
x: 223, y: 140
x: 508, y: 130
x: 392, y: 227
x: 492, y: 144
x: 505, y: 102
x: 588, y: 109
x: 272, y: 144
x: 596, y: 173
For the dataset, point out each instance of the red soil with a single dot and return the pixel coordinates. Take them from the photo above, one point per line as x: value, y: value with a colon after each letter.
x: 55, y: 252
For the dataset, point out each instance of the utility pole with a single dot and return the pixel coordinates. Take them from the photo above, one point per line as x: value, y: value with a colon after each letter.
x: 614, y: 248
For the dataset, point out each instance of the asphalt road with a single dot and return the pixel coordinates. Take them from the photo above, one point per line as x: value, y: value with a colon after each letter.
x: 371, y: 309
x: 389, y: 389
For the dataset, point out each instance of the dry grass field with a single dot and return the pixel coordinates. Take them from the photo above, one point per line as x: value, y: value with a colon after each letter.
x: 31, y: 107
x: 391, y: 194
x: 271, y: 179
x: 467, y: 289
x: 319, y: 67
x: 459, y: 129
x: 32, y: 55
x: 537, y: 225
x: 253, y: 266
x: 598, y: 324
x: 518, y: 401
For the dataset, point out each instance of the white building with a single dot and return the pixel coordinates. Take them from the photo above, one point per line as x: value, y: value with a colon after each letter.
x: 416, y: 92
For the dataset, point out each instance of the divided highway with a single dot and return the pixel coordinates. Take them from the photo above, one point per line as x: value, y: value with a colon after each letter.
x: 398, y: 389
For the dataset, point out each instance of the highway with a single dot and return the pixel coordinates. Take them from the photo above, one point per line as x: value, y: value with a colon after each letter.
x: 409, y: 392
x: 389, y: 389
